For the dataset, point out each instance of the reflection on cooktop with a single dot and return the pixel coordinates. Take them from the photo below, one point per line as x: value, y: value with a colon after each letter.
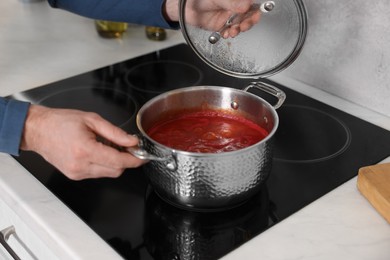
x: 172, y: 233
x: 160, y: 76
x: 114, y: 105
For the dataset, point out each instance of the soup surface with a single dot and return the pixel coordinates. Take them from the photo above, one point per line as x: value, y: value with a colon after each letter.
x: 207, y: 132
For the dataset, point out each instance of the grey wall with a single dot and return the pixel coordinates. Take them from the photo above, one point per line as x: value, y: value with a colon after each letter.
x: 347, y: 51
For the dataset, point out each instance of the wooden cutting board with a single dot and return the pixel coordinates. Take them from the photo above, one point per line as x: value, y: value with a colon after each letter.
x: 374, y: 183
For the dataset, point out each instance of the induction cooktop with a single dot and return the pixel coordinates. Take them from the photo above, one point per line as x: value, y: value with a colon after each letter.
x: 316, y: 149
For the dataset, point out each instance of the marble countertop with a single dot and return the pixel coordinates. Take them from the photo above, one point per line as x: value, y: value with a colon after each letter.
x: 40, y: 45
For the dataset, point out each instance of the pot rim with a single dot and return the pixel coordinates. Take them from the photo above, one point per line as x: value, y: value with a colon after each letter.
x: 199, y: 88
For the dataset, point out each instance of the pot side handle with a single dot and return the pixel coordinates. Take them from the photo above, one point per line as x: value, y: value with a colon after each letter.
x: 140, y: 153
x: 272, y: 90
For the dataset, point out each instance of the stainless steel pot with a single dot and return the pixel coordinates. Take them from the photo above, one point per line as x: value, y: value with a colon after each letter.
x: 208, y: 181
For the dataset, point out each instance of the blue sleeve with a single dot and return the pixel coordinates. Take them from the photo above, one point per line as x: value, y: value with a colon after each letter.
x: 12, y: 117
x: 147, y: 12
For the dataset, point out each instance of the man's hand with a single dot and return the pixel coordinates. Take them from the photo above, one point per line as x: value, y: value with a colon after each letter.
x: 68, y: 140
x: 213, y: 14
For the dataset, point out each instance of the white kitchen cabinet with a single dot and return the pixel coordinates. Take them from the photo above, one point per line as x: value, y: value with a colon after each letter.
x: 20, y: 238
x: 48, y: 228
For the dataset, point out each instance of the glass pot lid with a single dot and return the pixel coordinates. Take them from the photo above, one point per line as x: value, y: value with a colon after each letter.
x: 269, y: 46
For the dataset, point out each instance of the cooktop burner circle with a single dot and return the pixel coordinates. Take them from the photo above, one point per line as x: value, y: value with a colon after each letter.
x: 113, y: 105
x: 309, y: 135
x: 159, y: 76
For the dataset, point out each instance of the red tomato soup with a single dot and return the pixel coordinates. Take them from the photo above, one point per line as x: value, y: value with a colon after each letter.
x: 207, y: 132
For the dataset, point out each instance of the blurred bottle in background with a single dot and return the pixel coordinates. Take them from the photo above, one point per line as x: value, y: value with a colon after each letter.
x: 155, y: 33
x: 109, y: 29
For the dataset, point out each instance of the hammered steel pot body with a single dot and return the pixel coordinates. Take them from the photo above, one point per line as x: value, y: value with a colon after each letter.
x: 207, y: 181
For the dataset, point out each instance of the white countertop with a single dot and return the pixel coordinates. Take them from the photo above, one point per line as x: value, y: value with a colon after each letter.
x: 40, y: 45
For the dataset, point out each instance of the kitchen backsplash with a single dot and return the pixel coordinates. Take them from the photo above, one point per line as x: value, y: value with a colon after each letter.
x: 347, y: 51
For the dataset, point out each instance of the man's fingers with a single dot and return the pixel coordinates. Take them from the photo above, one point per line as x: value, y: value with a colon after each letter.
x: 112, y: 158
x: 110, y: 132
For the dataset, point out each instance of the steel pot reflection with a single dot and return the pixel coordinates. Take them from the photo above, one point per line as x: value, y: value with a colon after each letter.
x: 209, y: 181
x: 173, y: 233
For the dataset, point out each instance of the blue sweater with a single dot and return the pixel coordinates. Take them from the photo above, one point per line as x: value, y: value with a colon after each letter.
x: 148, y: 12
x: 12, y: 116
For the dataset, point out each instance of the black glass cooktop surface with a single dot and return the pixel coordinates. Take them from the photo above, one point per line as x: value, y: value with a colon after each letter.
x: 316, y: 149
